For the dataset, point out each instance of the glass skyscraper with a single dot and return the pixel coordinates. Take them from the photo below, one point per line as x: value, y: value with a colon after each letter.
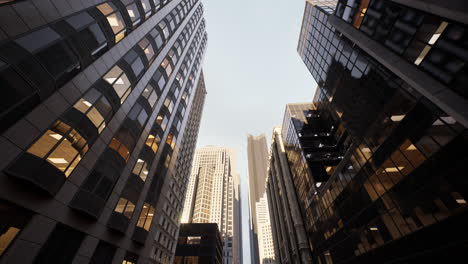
x: 378, y: 161
x: 100, y: 112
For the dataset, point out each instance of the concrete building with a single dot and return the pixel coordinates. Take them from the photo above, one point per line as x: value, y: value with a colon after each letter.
x: 261, y: 244
x: 100, y: 113
x: 213, y: 197
x: 377, y: 163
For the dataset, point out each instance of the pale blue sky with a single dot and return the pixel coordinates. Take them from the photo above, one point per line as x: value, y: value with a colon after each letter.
x: 252, y: 70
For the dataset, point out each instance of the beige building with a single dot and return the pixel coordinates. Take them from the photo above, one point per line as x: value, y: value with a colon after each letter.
x: 213, y: 196
x: 261, y: 239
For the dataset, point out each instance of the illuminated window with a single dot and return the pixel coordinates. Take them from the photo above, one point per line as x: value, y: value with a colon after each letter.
x: 171, y: 140
x: 125, y: 207
x: 167, y: 67
x: 119, y: 81
x: 150, y: 94
x: 146, y: 7
x: 114, y: 18
x: 146, y: 217
x: 169, y: 104
x: 141, y: 169
x: 61, y: 146
x: 162, y: 121
x: 120, y: 148
x: 153, y: 142
x: 96, y: 107
x: 147, y: 48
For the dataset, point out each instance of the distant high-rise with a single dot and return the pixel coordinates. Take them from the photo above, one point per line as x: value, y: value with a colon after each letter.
x: 100, y: 112
x: 261, y: 243
x: 213, y: 197
x: 378, y: 163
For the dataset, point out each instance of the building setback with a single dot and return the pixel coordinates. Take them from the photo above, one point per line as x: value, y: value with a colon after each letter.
x: 213, y: 197
x: 261, y: 243
x: 199, y: 243
x: 391, y: 186
x: 100, y: 114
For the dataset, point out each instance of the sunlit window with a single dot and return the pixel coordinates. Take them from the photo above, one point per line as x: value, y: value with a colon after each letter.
x: 141, y: 169
x: 125, y: 207
x: 153, y: 142
x: 147, y: 48
x: 115, y: 20
x: 61, y: 146
x: 164, y: 29
x: 146, y: 217
x: 166, y: 65
x: 96, y: 107
x: 120, y: 148
x: 119, y: 81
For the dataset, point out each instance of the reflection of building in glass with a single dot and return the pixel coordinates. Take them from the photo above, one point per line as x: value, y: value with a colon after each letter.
x: 100, y: 112
x: 261, y: 241
x: 390, y: 185
x: 213, y: 197
x: 199, y: 243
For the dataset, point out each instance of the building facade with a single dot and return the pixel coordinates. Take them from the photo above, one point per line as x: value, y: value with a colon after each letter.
x: 213, y: 196
x: 199, y: 243
x: 100, y: 116
x: 261, y: 243
x: 382, y: 180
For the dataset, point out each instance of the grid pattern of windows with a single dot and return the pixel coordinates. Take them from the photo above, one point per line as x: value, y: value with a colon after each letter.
x: 434, y: 44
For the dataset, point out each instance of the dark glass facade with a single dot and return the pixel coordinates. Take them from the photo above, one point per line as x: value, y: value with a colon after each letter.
x: 199, y: 243
x: 101, y: 113
x: 395, y: 190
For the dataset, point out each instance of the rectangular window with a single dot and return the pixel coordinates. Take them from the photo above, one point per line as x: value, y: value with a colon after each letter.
x: 114, y: 18
x: 146, y: 217
x: 61, y: 146
x: 119, y: 81
x: 125, y: 207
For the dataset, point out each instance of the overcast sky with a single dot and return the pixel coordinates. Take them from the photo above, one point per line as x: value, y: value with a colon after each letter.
x: 252, y: 70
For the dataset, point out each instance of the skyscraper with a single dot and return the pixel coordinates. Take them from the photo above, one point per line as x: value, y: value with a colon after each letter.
x: 213, y: 197
x: 378, y: 165
x: 100, y: 112
x: 261, y: 243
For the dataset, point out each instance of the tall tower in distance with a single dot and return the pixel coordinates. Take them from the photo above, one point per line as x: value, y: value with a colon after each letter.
x: 98, y: 120
x: 213, y: 196
x: 261, y: 243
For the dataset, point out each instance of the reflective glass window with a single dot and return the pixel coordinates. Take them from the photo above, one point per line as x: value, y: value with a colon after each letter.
x: 119, y: 81
x: 146, y: 217
x: 125, y: 207
x: 114, y: 18
x: 61, y: 146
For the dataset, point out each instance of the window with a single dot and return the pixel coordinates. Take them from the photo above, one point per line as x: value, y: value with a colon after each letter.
x: 150, y: 94
x: 96, y: 107
x: 103, y: 254
x: 147, y: 48
x: 120, y: 148
x: 162, y: 121
x: 114, y: 18
x: 169, y: 104
x: 13, y: 220
x: 166, y: 65
x: 146, y: 7
x: 53, y: 53
x: 164, y: 29
x: 171, y: 140
x: 146, y: 217
x: 63, y: 239
x: 119, y: 81
x: 141, y: 169
x: 157, y: 39
x: 135, y: 62
x: 134, y: 14
x: 153, y: 142
x: 125, y: 207
x: 62, y: 146
x: 89, y: 33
